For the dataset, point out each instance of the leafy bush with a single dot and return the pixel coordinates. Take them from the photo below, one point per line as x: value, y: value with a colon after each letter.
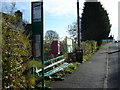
x: 16, y: 57
x: 70, y: 68
x: 88, y: 49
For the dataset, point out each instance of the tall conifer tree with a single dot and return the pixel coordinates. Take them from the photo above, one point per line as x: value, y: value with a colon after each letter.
x: 95, y: 23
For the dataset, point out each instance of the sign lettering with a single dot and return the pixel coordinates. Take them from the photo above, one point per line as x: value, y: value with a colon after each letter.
x: 36, y: 12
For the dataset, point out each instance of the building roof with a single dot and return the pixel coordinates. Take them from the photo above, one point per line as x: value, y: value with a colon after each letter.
x: 17, y: 20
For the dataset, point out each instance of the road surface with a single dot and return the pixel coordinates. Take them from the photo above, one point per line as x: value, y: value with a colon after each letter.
x: 100, y: 71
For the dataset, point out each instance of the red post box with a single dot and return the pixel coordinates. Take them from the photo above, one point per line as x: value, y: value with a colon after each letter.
x: 55, y: 47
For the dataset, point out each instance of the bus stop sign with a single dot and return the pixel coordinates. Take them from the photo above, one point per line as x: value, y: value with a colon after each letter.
x: 37, y: 18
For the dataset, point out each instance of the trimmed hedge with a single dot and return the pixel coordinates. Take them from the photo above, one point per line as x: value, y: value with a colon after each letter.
x: 16, y: 57
x: 88, y: 49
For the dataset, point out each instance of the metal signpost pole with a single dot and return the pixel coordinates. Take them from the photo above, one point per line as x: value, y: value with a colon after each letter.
x: 79, y: 52
x: 78, y: 23
x: 42, y: 48
x: 37, y: 31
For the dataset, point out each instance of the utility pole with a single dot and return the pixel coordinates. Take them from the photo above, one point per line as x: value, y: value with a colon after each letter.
x: 79, y: 52
x: 78, y: 23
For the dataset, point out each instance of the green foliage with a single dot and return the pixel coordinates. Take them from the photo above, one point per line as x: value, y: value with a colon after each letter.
x: 88, y: 49
x: 47, y: 50
x: 51, y: 35
x: 104, y: 43
x: 32, y: 63
x: 65, y: 56
x: 95, y: 23
x: 16, y: 56
x: 69, y: 69
x: 63, y: 46
x: 72, y: 30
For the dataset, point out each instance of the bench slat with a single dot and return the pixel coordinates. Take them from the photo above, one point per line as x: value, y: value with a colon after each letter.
x: 53, y: 59
x: 57, y: 69
x: 37, y: 71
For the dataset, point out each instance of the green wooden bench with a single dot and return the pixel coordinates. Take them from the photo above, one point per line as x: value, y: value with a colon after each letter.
x: 53, y: 66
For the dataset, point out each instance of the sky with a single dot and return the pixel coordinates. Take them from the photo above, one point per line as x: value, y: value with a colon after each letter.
x: 58, y: 14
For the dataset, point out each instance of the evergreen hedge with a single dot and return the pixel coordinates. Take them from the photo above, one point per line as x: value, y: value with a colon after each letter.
x: 16, y: 57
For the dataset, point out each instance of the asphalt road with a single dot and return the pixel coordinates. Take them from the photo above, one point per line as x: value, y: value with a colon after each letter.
x: 113, y: 66
x: 100, y: 71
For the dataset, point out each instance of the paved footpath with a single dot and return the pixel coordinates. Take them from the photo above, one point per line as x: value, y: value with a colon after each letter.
x: 113, y: 66
x: 100, y: 71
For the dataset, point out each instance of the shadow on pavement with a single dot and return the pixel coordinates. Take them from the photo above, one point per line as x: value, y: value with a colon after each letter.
x: 113, y: 52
